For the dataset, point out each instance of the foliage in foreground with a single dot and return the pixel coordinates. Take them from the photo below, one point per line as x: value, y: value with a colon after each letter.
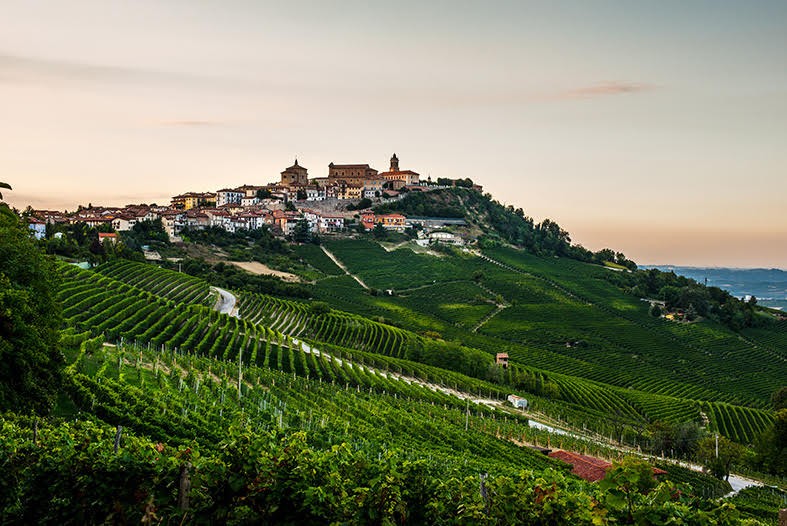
x: 69, y: 473
x: 29, y: 322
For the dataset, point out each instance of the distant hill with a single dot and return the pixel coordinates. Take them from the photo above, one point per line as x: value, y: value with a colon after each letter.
x: 769, y: 286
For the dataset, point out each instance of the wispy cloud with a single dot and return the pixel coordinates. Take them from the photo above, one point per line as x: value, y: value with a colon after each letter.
x: 191, y: 123
x: 34, y: 69
x: 604, y: 89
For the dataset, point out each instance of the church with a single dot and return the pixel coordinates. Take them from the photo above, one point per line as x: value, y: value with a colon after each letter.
x: 408, y: 177
x: 295, y: 175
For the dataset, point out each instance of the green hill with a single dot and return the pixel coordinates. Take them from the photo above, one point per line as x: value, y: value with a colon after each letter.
x: 383, y: 404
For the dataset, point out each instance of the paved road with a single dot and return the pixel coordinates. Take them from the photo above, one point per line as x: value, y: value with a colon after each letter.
x: 226, y: 303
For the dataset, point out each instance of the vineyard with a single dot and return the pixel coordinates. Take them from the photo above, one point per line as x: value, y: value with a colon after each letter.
x: 387, y: 392
x: 569, y: 325
x: 265, y: 335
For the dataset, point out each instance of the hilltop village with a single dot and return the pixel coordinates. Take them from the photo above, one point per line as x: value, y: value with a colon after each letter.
x: 326, y: 204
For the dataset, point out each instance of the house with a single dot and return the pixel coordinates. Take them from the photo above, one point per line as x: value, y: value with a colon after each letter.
x: 191, y: 200
x: 228, y: 197
x: 247, y: 202
x: 367, y: 220
x: 331, y: 223
x: 501, y: 359
x: 517, y: 401
x: 172, y: 221
x: 440, y: 236
x: 249, y: 190
x: 373, y: 188
x: 104, y: 237
x: 314, y: 193
x: 37, y: 227
x: 96, y: 221
x: 391, y: 221
x: 124, y: 223
x: 350, y: 191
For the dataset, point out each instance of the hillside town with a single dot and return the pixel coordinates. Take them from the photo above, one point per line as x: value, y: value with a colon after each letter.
x: 327, y: 204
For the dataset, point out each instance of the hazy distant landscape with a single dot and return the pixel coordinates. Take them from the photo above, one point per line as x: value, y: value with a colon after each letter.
x: 769, y: 286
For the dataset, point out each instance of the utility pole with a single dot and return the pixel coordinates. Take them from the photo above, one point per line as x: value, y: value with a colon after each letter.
x: 717, y: 445
x: 240, y: 377
x: 467, y: 415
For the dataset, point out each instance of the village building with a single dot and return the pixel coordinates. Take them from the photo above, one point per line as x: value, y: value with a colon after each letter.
x: 229, y: 197
x: 501, y: 359
x: 399, y: 177
x: 249, y: 190
x: 124, y: 222
x: 373, y: 188
x: 367, y: 220
x: 37, y: 227
x: 95, y: 221
x: 354, y: 174
x: 517, y: 401
x: 247, y: 202
x: 294, y: 175
x: 172, y: 221
x: 331, y: 223
x: 191, y: 200
x: 391, y: 221
x: 446, y: 238
x: 105, y: 237
x: 314, y: 193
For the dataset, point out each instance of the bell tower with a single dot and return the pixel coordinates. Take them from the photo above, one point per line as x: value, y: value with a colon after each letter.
x: 394, y: 163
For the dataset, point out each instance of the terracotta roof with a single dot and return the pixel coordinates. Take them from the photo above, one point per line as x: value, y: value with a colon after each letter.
x: 398, y: 172
x: 342, y: 166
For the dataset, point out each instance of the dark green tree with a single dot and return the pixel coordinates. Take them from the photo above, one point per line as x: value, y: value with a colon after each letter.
x: 380, y: 232
x: 30, y: 375
x: 771, y: 446
x: 301, y: 233
x: 779, y: 399
x: 729, y: 455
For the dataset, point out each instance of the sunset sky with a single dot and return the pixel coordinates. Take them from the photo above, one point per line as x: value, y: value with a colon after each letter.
x: 658, y: 128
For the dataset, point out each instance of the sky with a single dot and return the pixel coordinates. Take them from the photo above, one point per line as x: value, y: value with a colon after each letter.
x: 658, y: 129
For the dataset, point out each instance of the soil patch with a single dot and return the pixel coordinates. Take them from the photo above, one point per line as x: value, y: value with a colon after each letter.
x: 255, y: 267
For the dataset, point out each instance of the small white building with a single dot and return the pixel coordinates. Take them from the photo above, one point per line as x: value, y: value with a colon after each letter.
x: 448, y: 238
x: 331, y: 223
x: 229, y: 197
x: 250, y: 201
x: 517, y: 401
x: 315, y: 193
x: 37, y: 227
x: 123, y: 223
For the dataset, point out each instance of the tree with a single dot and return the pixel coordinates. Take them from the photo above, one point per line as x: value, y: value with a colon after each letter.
x: 625, y: 482
x: 301, y: 233
x: 5, y: 211
x: 771, y: 446
x: 729, y: 454
x: 779, y: 398
x: 29, y: 322
x: 380, y: 232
